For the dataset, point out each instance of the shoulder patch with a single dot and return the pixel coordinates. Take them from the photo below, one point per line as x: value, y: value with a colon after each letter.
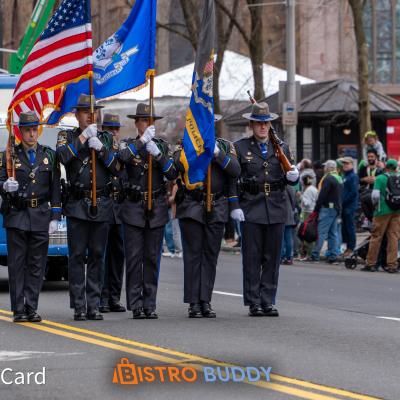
x: 62, y: 138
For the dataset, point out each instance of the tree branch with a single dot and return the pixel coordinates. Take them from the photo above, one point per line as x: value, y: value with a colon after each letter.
x: 234, y: 21
x: 167, y: 27
x: 192, y: 20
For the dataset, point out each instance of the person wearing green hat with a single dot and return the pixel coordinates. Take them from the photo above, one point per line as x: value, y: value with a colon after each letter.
x: 386, y: 218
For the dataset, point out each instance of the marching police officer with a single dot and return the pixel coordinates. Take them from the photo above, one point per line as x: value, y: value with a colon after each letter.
x: 28, y: 219
x: 143, y: 230
x: 202, y: 233
x: 114, y: 261
x: 262, y: 211
x: 87, y: 231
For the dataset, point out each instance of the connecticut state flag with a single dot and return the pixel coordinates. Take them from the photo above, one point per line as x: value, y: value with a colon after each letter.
x: 122, y: 63
x: 199, y: 134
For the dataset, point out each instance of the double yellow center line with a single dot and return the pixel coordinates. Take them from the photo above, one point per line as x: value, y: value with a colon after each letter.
x: 282, y: 384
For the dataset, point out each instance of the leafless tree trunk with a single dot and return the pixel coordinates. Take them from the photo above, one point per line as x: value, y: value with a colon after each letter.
x: 256, y: 48
x: 357, y: 7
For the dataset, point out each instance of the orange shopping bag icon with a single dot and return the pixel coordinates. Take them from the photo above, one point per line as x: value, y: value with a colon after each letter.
x: 125, y: 373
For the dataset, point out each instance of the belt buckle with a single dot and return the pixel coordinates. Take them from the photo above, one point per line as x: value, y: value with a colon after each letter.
x: 267, y: 188
x: 34, y: 203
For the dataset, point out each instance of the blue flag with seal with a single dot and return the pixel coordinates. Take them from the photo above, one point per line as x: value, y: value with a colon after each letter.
x: 199, y: 134
x: 122, y: 63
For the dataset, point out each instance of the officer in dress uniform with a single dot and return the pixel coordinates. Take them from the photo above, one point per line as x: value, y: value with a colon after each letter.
x: 262, y: 211
x: 202, y: 233
x: 143, y: 231
x: 87, y: 231
x: 28, y: 218
x: 114, y: 261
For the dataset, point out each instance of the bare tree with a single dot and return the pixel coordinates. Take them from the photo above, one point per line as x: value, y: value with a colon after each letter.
x: 357, y: 7
x: 191, y: 28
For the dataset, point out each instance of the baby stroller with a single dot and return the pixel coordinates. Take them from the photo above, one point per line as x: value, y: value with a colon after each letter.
x: 361, y: 251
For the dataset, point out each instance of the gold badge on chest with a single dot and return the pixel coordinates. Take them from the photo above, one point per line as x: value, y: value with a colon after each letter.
x: 45, y: 161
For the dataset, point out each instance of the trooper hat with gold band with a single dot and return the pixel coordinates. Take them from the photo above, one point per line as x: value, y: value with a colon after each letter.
x: 28, y: 119
x: 143, y: 111
x: 260, y: 112
x: 111, y: 120
x: 84, y: 102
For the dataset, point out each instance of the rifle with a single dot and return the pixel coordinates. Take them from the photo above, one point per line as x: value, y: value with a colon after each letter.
x: 285, y: 163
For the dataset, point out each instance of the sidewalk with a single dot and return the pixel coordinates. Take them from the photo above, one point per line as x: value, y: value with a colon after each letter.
x: 229, y: 249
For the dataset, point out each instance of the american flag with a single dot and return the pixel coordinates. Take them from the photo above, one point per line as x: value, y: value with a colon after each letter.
x: 62, y: 54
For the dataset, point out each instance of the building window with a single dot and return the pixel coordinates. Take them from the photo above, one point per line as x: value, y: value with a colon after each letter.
x: 382, y: 29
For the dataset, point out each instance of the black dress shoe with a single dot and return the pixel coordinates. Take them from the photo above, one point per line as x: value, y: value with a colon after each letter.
x: 207, y: 311
x: 138, y: 313
x: 34, y: 317
x: 20, y: 317
x: 117, y: 307
x: 270, y: 311
x: 95, y: 315
x: 104, y: 309
x: 194, y: 311
x: 80, y: 316
x: 255, y: 310
x: 151, y: 314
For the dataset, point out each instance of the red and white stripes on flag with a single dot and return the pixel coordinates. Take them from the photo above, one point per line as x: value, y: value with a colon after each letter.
x: 53, y: 63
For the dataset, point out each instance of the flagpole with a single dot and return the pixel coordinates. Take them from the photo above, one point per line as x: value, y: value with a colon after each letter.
x: 209, y: 203
x: 93, y: 208
x: 10, y: 153
x: 150, y: 159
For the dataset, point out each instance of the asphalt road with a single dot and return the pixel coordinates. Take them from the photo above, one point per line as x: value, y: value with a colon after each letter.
x: 338, y: 337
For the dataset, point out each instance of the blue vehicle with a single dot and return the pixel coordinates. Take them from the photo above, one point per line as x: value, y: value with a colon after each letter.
x: 57, y: 256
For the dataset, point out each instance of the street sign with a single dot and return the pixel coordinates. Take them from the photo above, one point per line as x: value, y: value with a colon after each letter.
x: 289, y: 114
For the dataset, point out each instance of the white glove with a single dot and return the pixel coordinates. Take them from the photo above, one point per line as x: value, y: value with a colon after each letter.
x: 10, y: 185
x: 292, y: 175
x: 152, y: 148
x: 216, y: 149
x: 95, y: 143
x: 148, y: 134
x: 53, y: 226
x: 237, y: 215
x: 375, y: 196
x: 90, y: 131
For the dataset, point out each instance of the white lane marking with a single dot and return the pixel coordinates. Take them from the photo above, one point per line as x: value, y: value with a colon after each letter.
x: 25, y: 355
x: 228, y: 294
x: 22, y: 355
x: 390, y: 318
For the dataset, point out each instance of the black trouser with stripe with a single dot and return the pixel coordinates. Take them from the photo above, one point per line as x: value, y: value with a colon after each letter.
x: 85, y: 238
x: 113, y: 267
x: 201, y: 244
x: 261, y: 253
x: 27, y: 256
x: 142, y: 252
